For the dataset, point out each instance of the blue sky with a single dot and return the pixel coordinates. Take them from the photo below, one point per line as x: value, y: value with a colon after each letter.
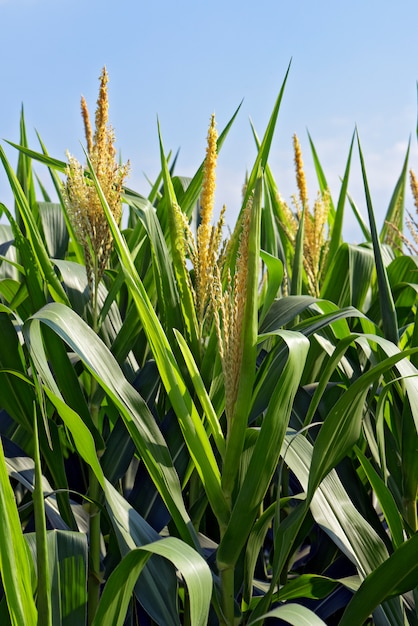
x: 353, y: 63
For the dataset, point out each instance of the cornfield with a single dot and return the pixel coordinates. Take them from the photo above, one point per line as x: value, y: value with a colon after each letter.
x: 202, y: 427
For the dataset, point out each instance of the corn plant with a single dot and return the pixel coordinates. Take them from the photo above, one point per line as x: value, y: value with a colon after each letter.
x: 200, y: 431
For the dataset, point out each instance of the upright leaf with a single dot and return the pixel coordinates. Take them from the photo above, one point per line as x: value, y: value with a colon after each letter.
x: 15, y: 565
x: 387, y: 306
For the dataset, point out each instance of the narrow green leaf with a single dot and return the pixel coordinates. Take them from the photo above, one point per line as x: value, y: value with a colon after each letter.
x: 29, y: 267
x: 263, y: 153
x: 183, y: 283
x: 397, y: 575
x: 274, y: 280
x: 385, y: 498
x: 307, y: 586
x: 338, y: 222
x: 354, y: 265
x: 15, y: 566
x: 297, y: 265
x: 387, y: 306
x: 132, y: 531
x: 24, y: 172
x: 44, y: 605
x: 76, y: 247
x: 294, y: 614
x: 333, y: 510
x: 15, y: 395
x: 162, y: 266
x: 42, y: 158
x: 83, y: 439
x: 266, y: 452
x: 33, y: 234
x: 395, y: 212
x: 118, y: 589
x: 363, y: 226
x: 253, y: 548
x: 202, y: 394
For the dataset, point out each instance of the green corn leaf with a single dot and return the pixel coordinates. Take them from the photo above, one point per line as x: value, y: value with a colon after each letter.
x: 283, y: 311
x: 333, y: 510
x: 260, y: 163
x: 266, y: 452
x: 272, y: 218
x: 323, y: 185
x: 54, y: 228
x: 338, y: 221
x: 395, y: 212
x: 67, y: 384
x: 341, y: 429
x: 354, y: 265
x: 82, y: 437
x: 15, y: 561
x: 297, y: 265
x: 67, y: 555
x: 328, y: 500
x: 385, y: 498
x: 118, y: 589
x: 294, y: 614
x: 168, y: 297
x: 397, y: 575
x: 29, y: 267
x: 387, y: 306
x: 410, y: 459
x: 363, y: 226
x: 15, y: 395
x: 202, y: 394
x: 274, y: 280
x: 137, y: 417
x: 308, y: 586
x: 55, y: 164
x: 33, y: 234
x: 44, y: 605
x: 24, y: 172
x: 186, y: 298
x: 132, y: 531
x: 253, y: 548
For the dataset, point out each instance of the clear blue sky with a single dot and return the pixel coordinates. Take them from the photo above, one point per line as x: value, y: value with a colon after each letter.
x: 353, y: 63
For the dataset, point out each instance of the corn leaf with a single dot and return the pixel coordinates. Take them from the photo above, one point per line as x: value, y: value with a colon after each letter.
x: 67, y: 555
x: 397, y: 575
x: 394, y: 219
x: 137, y: 417
x: 385, y: 498
x: 292, y: 614
x: 387, y: 306
x: 132, y: 531
x: 341, y: 429
x: 118, y: 589
x: 32, y: 232
x: 266, y: 452
x: 186, y: 298
x: 15, y: 561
